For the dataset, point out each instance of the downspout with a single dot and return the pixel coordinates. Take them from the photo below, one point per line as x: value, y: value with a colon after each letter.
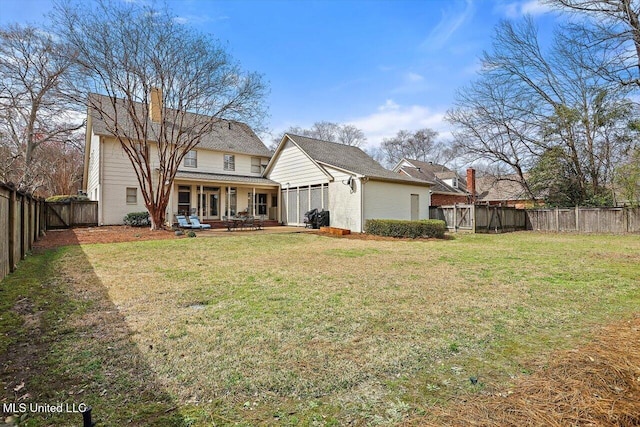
x: 101, y: 180
x: 363, y: 180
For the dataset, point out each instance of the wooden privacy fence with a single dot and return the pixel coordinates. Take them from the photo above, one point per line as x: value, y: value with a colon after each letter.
x: 585, y: 220
x: 73, y: 213
x: 22, y: 219
x: 480, y: 218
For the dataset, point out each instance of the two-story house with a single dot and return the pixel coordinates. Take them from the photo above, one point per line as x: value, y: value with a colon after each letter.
x: 222, y: 176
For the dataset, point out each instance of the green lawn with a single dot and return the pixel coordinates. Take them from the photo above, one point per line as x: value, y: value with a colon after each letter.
x: 301, y: 329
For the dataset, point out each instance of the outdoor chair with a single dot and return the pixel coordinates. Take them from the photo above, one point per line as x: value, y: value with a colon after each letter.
x: 195, y: 223
x: 259, y: 224
x: 248, y: 222
x: 182, y: 222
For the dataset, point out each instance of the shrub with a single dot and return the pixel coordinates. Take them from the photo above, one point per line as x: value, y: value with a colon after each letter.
x: 191, y: 234
x: 67, y: 198
x: 413, y: 229
x: 137, y: 219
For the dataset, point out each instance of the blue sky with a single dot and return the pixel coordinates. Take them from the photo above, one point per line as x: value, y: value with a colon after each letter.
x: 379, y: 65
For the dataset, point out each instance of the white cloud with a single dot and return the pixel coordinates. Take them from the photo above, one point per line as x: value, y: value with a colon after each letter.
x: 391, y: 117
x: 198, y: 19
x: 411, y: 82
x: 519, y: 8
x: 450, y: 22
x: 413, y: 77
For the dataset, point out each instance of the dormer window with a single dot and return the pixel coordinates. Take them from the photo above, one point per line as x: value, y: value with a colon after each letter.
x: 191, y: 159
x: 454, y: 182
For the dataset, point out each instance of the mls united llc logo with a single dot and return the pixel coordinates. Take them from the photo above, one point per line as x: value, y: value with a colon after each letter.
x: 46, y: 408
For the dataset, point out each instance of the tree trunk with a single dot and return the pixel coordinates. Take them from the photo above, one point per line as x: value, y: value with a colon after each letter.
x: 156, y: 214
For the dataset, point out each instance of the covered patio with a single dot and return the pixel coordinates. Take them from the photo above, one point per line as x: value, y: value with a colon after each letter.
x: 215, y: 197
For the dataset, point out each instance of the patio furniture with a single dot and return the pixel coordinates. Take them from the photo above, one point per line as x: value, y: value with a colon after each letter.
x: 249, y: 222
x: 259, y: 222
x: 182, y: 222
x: 195, y: 223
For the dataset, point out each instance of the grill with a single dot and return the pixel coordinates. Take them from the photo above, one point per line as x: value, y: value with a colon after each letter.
x: 316, y: 219
x: 311, y: 219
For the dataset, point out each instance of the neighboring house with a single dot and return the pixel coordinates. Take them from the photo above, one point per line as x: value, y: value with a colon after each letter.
x: 448, y: 187
x: 505, y: 190
x: 343, y: 180
x: 223, y: 175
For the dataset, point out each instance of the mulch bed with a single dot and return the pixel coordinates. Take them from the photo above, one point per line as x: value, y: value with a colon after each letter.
x: 104, y: 234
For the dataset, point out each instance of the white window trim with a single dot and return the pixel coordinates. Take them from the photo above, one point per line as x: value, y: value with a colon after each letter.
x: 135, y: 195
x: 229, y: 165
x: 194, y: 158
x: 257, y: 165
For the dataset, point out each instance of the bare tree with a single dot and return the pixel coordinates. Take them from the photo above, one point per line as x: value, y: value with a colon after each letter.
x: 613, y: 30
x: 420, y: 145
x: 35, y: 70
x: 351, y: 135
x: 528, y: 101
x: 334, y: 132
x: 60, y: 164
x: 150, y: 58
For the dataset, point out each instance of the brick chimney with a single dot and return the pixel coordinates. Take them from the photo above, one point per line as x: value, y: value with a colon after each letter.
x: 471, y: 184
x: 155, y: 107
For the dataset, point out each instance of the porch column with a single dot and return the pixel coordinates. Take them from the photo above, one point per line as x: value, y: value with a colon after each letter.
x: 298, y: 205
x: 228, y: 200
x: 223, y: 203
x: 169, y: 218
x: 279, y: 210
x: 254, y: 200
x: 201, y: 202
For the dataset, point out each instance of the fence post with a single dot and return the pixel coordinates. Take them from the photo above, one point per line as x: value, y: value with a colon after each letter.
x: 625, y: 219
x: 455, y: 217
x: 557, y: 220
x: 473, y: 218
x: 12, y: 229
x: 578, y: 219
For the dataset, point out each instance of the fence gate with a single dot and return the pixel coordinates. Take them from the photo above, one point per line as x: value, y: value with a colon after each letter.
x: 457, y: 217
x: 71, y: 214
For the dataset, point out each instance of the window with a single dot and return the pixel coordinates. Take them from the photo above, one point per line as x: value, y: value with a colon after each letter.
x: 191, y: 159
x: 184, y: 200
x: 255, y: 165
x: 229, y: 162
x: 132, y: 196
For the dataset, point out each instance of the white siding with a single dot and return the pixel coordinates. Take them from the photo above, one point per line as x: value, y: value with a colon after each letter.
x: 118, y: 174
x: 388, y: 200
x: 93, y: 171
x: 294, y: 167
x: 344, y: 203
x: 402, y: 164
x: 213, y: 162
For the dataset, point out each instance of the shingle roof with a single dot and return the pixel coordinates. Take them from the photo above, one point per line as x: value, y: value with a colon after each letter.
x: 491, y: 189
x: 349, y: 158
x: 229, y: 136
x: 435, y: 173
x: 215, y: 177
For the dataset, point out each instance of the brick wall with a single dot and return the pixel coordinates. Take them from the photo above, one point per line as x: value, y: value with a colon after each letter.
x: 447, y: 199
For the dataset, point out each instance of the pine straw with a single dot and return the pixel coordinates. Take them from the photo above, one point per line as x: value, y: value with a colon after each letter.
x: 597, y: 385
